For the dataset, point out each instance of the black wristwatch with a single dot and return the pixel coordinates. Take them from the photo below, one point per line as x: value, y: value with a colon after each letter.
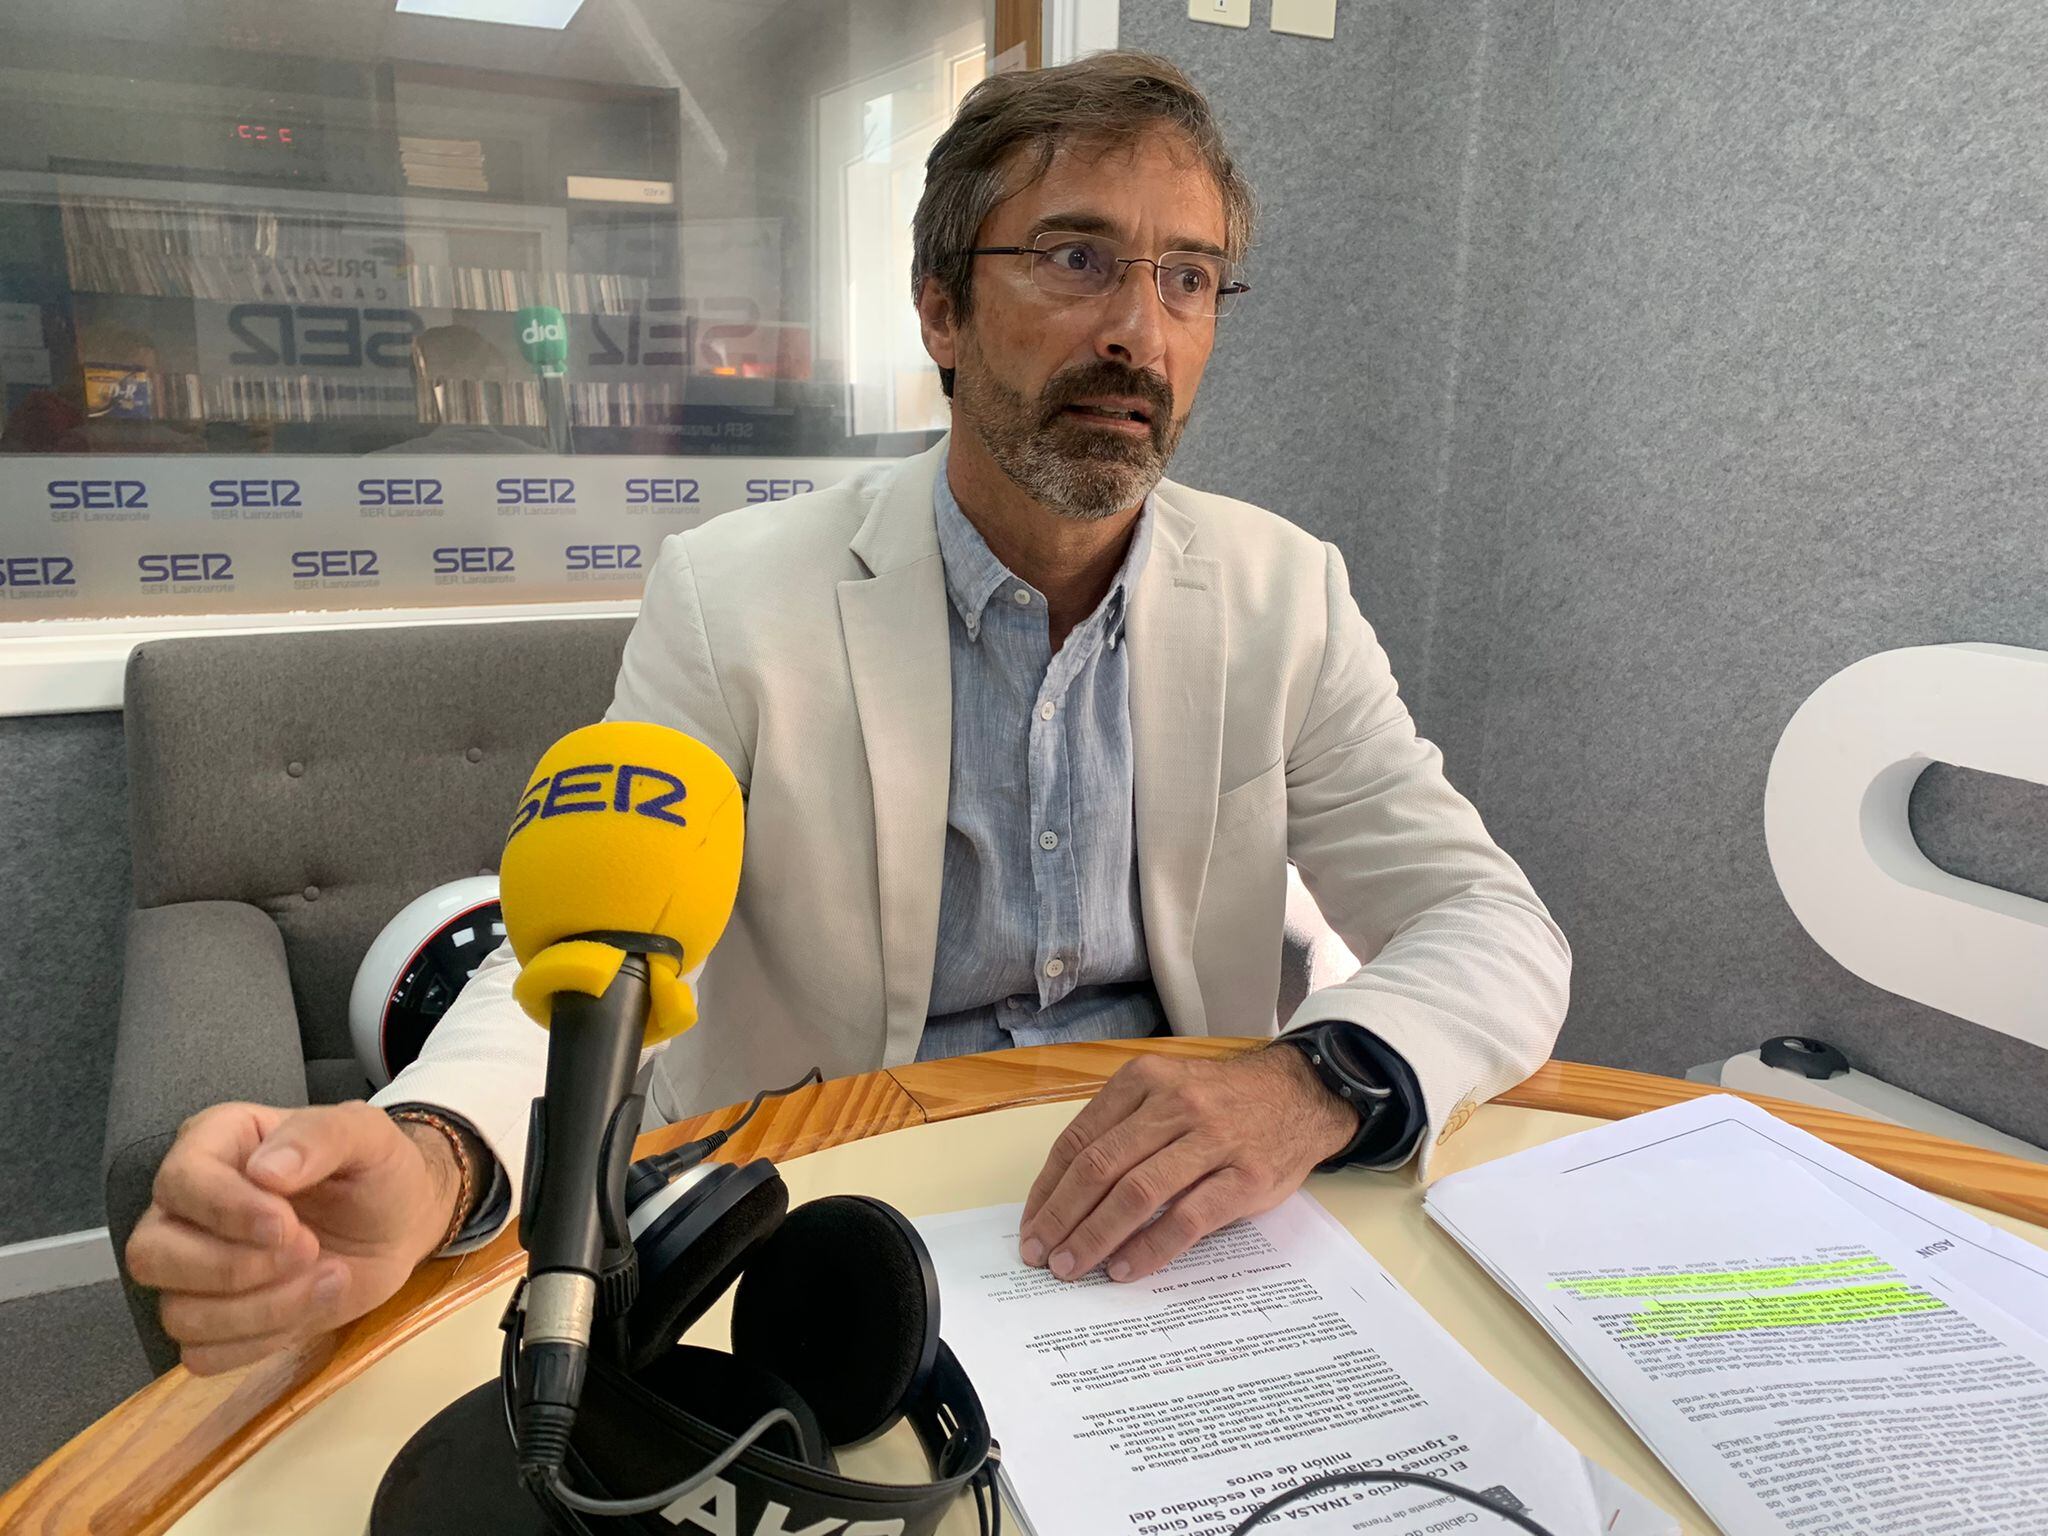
x: 1365, y: 1073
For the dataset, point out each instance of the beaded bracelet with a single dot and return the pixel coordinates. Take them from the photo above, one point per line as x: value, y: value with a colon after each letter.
x: 463, y: 1163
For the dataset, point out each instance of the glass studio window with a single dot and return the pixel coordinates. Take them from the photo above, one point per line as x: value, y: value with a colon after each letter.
x: 316, y: 304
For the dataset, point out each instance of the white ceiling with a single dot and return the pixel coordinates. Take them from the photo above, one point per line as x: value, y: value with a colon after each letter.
x: 601, y: 44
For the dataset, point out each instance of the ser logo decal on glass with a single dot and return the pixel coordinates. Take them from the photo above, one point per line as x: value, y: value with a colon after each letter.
x: 101, y: 495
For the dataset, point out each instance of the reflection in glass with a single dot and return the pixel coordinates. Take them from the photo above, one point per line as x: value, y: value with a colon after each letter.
x: 310, y: 226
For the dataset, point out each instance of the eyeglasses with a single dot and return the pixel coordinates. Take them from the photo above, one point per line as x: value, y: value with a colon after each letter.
x: 1193, y: 284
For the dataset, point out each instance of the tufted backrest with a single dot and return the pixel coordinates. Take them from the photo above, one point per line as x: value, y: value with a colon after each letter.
x: 329, y: 778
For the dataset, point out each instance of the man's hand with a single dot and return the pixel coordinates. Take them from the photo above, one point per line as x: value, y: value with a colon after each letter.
x: 1207, y: 1142
x: 269, y: 1226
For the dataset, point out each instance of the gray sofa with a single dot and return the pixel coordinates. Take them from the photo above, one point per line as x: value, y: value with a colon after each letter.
x: 287, y: 795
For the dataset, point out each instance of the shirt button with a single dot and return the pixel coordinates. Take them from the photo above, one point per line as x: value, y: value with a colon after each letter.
x: 1048, y: 840
x: 1021, y: 598
x: 1055, y: 966
x: 1046, y: 710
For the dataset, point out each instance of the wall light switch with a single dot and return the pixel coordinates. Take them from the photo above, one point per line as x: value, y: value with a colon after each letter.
x: 1225, y: 13
x: 1310, y: 18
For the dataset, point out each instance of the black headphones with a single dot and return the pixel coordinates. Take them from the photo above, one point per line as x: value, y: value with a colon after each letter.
x: 835, y: 1322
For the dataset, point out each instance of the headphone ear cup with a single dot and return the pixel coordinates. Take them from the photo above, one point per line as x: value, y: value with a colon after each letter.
x: 730, y: 1394
x: 690, y: 1252
x: 843, y: 1304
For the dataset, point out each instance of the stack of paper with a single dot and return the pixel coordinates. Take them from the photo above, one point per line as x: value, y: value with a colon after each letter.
x: 1274, y: 1352
x: 1810, y: 1345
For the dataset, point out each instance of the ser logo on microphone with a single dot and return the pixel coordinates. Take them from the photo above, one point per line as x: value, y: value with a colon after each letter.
x: 623, y: 789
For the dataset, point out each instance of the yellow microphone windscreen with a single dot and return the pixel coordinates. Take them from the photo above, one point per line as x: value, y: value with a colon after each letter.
x: 624, y: 827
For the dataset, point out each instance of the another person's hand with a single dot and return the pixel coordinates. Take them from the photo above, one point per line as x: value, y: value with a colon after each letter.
x: 269, y: 1226
x: 1200, y: 1143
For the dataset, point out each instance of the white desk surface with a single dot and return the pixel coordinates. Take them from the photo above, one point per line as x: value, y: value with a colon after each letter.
x: 318, y: 1476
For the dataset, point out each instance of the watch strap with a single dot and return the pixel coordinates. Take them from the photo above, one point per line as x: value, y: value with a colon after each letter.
x: 1366, y: 1072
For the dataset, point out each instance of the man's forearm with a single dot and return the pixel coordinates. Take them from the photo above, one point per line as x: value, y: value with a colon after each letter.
x: 1334, y: 1122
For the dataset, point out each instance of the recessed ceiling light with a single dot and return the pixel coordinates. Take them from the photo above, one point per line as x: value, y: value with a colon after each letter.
x: 555, y: 14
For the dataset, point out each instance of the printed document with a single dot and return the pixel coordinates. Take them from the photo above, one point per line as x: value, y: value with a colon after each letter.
x: 1803, y: 1350
x: 1273, y: 1352
x: 1992, y: 1262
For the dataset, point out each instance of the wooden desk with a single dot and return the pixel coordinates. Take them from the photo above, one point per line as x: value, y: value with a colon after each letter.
x: 166, y: 1452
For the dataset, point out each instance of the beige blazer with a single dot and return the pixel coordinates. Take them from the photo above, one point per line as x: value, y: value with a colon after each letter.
x: 806, y: 642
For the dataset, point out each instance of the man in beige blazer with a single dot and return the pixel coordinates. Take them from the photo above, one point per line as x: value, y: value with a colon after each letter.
x: 1205, y: 706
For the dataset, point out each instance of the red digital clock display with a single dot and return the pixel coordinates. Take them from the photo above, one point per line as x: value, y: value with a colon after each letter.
x: 263, y: 133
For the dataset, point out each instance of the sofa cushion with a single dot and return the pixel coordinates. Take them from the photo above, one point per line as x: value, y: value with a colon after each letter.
x: 330, y: 777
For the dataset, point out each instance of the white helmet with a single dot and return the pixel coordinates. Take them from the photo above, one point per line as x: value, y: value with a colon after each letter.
x: 424, y: 956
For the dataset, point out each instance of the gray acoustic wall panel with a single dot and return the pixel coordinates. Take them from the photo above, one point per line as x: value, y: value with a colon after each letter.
x: 64, y: 893
x: 1965, y: 822
x: 1704, y: 354
x: 1782, y: 393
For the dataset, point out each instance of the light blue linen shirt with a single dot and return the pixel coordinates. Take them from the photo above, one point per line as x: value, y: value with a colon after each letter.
x: 1040, y: 935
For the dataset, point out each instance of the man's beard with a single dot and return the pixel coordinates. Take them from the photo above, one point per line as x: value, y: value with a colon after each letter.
x: 1078, y: 471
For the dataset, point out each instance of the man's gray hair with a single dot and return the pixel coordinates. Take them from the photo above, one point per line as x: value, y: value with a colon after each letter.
x: 1106, y: 98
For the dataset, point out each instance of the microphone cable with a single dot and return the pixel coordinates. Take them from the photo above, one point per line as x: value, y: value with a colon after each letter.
x: 557, y: 1486
x: 651, y: 1173
x: 1346, y: 1479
